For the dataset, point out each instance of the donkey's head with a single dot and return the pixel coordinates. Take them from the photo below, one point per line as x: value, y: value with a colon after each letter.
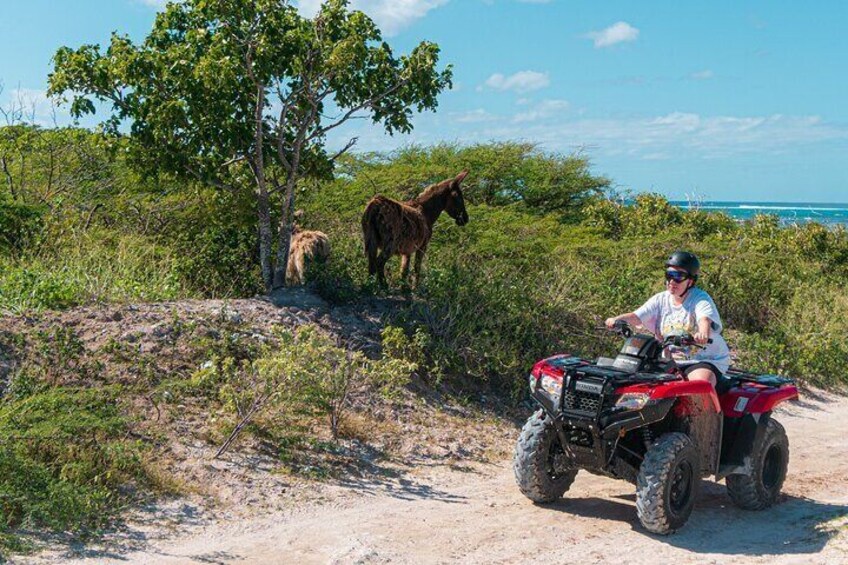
x: 455, y: 206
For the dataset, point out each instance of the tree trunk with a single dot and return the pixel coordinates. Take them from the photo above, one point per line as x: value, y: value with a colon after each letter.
x: 287, y: 215
x: 266, y: 234
x: 266, y: 240
x: 284, y: 236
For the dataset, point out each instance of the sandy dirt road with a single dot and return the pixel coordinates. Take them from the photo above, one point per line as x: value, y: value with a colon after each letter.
x: 477, y: 515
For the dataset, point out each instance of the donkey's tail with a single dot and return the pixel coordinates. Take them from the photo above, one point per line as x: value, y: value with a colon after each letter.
x: 371, y: 234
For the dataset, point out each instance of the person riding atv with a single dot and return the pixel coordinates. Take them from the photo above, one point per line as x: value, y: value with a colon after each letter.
x: 661, y: 422
x: 684, y: 309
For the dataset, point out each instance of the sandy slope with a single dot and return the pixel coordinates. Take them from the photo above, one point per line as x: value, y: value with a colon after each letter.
x: 439, y: 515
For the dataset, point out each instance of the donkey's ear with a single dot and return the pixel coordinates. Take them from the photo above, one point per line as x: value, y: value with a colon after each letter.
x: 459, y: 178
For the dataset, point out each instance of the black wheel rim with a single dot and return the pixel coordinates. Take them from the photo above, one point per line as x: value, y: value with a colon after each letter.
x: 771, y: 467
x: 555, y: 462
x: 681, y: 486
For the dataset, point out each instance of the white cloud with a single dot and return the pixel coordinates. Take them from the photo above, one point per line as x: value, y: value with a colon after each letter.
x: 677, y: 132
x: 672, y: 136
x: 392, y: 16
x: 158, y: 4
x: 475, y: 116
x: 544, y: 109
x: 706, y: 74
x: 618, y: 32
x: 522, y: 81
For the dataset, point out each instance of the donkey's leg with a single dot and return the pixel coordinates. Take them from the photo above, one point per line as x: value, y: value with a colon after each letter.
x: 372, y: 262
x: 404, y: 268
x: 382, y: 259
x: 419, y: 257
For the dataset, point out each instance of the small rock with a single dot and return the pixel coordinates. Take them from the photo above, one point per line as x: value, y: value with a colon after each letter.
x: 131, y: 337
x: 161, y: 329
x: 117, y: 316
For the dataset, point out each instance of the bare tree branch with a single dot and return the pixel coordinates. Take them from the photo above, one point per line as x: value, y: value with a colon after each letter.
x: 347, y: 115
x: 345, y: 149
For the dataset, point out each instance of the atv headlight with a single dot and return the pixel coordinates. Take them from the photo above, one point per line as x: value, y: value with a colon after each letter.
x: 633, y: 401
x: 552, y: 386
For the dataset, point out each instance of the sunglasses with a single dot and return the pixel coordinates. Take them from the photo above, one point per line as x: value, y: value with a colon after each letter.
x: 676, y: 276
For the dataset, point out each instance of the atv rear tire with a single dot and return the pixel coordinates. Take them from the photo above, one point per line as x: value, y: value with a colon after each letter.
x: 760, y: 487
x: 667, y: 484
x: 539, y: 459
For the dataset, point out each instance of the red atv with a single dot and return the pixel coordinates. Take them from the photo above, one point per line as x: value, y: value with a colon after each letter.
x: 637, y: 418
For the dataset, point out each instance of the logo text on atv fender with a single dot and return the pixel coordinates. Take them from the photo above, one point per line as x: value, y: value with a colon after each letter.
x: 595, y: 388
x: 741, y: 403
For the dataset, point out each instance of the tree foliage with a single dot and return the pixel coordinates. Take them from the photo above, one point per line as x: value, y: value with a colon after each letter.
x: 501, y: 174
x: 241, y: 94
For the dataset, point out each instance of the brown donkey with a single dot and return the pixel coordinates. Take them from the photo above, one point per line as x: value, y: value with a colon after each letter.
x: 311, y: 245
x: 404, y: 228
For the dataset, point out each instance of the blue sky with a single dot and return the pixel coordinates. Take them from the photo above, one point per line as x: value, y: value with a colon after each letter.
x: 725, y: 100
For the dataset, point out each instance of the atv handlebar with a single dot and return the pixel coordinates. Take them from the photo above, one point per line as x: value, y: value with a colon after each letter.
x: 683, y: 341
x: 625, y: 330
x: 622, y: 328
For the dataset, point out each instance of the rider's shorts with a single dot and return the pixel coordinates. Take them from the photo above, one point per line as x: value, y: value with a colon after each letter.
x: 702, y: 365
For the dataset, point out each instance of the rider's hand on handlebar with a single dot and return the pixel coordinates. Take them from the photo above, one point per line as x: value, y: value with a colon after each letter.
x: 701, y: 338
x: 610, y: 323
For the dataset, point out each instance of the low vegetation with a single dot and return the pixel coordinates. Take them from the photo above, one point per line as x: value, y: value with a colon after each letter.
x: 548, y: 253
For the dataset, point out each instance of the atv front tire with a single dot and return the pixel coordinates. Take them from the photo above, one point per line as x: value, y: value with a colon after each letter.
x: 539, y: 462
x: 667, y: 484
x: 760, y: 487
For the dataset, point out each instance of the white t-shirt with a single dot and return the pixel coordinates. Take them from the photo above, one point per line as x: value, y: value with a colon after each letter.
x: 661, y: 315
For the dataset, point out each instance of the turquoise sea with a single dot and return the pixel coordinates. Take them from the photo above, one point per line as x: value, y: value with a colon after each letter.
x: 787, y: 212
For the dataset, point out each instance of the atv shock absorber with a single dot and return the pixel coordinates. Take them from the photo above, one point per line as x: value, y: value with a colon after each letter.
x: 647, y: 437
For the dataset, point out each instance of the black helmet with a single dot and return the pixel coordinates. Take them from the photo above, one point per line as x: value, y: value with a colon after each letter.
x: 686, y: 261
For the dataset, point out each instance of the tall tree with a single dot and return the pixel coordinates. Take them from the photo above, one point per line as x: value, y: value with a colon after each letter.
x: 241, y: 94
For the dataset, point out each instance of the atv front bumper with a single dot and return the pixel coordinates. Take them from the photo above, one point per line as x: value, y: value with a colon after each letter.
x: 590, y: 428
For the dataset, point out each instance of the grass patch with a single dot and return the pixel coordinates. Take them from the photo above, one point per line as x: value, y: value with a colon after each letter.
x: 66, y: 462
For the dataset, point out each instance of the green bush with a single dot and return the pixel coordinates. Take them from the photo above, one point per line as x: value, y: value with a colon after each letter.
x: 301, y: 373
x: 65, y: 462
x: 19, y: 225
x: 95, y: 266
x: 34, y: 288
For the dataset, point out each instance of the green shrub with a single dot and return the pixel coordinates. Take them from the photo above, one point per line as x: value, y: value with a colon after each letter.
x: 35, y: 288
x: 65, y: 462
x: 304, y: 372
x: 95, y: 266
x: 341, y: 277
x: 19, y: 225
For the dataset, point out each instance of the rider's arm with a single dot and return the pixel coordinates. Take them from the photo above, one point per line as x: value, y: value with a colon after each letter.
x: 630, y: 318
x: 703, y: 333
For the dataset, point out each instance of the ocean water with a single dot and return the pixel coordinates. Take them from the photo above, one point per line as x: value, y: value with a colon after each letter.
x: 787, y: 212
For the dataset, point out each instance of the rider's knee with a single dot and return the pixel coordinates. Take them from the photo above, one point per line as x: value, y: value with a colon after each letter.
x: 703, y: 375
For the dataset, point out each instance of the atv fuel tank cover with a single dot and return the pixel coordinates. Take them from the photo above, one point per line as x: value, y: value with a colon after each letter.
x: 599, y: 371
x: 626, y: 363
x: 563, y: 362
